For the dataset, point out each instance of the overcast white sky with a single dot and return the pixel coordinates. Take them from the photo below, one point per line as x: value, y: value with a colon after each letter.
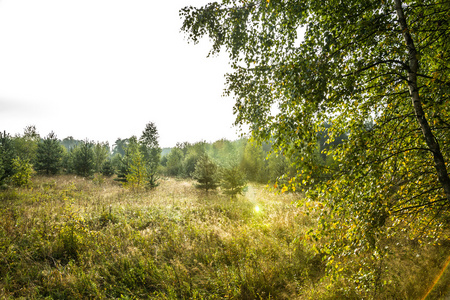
x: 103, y: 69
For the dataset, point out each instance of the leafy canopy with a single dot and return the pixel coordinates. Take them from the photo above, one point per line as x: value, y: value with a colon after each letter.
x: 376, y: 71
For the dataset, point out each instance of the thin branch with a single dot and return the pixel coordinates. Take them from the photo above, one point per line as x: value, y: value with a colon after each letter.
x: 405, y: 66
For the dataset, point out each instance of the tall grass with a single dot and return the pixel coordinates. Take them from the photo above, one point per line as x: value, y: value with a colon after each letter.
x: 73, y: 238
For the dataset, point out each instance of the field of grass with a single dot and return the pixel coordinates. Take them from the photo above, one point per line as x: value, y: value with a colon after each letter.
x: 68, y: 237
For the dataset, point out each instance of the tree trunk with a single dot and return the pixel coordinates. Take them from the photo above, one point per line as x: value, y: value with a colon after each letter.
x: 431, y: 141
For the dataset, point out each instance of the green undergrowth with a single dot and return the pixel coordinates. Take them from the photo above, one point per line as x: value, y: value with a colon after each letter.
x: 70, y: 238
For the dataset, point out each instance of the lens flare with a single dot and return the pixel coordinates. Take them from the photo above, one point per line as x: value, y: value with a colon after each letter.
x: 436, y: 280
x: 257, y: 209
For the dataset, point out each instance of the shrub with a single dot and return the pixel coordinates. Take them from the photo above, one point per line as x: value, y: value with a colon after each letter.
x: 136, y: 178
x: 22, y: 172
x: 174, y: 166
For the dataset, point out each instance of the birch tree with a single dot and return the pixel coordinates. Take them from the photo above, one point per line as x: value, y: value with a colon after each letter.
x: 376, y: 71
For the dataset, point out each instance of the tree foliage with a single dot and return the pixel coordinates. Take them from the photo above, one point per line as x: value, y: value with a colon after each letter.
x: 107, y: 168
x: 137, y: 175
x: 123, y: 163
x: 138, y: 167
x: 192, y: 153
x: 101, y: 154
x: 49, y: 155
x: 26, y: 145
x: 22, y: 172
x: 232, y: 181
x: 70, y: 143
x: 151, y: 152
x: 119, y: 147
x: 253, y: 163
x: 6, y: 157
x: 206, y: 174
x: 174, y: 164
x: 376, y: 71
x: 83, y: 159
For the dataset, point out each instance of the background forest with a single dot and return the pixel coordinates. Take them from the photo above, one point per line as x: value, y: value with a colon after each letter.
x: 30, y: 153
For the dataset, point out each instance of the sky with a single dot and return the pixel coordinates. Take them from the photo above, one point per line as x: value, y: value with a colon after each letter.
x: 103, y: 69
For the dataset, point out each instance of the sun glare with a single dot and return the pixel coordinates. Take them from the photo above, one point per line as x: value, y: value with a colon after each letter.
x: 257, y: 208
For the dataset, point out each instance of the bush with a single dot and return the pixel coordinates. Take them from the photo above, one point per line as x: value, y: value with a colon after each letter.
x: 22, y: 172
x: 136, y: 178
x: 174, y: 165
x: 189, y: 163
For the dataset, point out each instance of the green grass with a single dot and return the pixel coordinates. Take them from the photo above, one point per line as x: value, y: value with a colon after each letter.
x: 73, y: 238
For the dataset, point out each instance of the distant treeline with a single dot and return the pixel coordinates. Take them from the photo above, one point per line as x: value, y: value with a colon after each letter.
x: 50, y: 155
x: 255, y: 161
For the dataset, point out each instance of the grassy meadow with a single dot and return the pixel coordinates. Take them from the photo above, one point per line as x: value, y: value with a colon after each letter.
x: 68, y: 237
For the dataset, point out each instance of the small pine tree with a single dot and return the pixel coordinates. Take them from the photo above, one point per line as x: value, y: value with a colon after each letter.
x: 232, y: 181
x: 152, y: 180
x: 7, y: 155
x: 49, y: 155
x: 206, y: 174
x: 107, y: 168
x: 83, y: 159
x: 122, y: 163
x: 149, y: 147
